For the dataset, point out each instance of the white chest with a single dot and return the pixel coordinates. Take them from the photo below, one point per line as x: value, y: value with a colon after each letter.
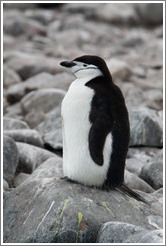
x: 77, y: 162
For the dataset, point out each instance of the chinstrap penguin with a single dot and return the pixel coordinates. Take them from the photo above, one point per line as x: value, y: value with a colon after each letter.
x: 95, y: 127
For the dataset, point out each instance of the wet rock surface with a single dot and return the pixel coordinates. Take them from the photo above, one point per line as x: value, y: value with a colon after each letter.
x: 40, y: 206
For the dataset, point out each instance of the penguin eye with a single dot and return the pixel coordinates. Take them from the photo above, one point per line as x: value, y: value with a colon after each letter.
x: 85, y: 65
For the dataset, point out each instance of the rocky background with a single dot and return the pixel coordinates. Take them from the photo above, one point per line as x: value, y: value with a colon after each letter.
x: 40, y: 207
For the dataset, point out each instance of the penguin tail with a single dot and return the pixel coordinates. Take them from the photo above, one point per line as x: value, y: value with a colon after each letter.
x: 126, y: 190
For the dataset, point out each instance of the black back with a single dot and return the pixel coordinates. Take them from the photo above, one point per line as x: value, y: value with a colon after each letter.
x: 108, y: 114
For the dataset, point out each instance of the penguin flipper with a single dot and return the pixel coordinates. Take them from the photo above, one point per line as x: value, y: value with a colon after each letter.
x: 97, y: 135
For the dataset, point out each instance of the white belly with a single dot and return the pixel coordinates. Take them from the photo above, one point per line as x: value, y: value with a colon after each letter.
x: 77, y: 162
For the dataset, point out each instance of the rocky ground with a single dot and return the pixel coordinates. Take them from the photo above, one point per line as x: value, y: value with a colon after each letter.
x: 39, y: 206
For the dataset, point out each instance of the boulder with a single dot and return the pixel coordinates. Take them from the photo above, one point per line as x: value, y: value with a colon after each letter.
x: 60, y: 211
x: 20, y: 178
x: 150, y: 13
x: 14, y: 124
x: 146, y: 128
x: 109, y: 12
x: 10, y: 76
x: 28, y: 65
x: 152, y: 173
x: 10, y: 159
x: 39, y: 81
x: 25, y: 136
x: 119, y: 232
x: 51, y: 129
x: 43, y: 100
x: 31, y: 157
x: 134, y: 182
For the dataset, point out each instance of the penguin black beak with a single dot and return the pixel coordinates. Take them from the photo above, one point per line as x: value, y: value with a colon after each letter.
x: 67, y: 64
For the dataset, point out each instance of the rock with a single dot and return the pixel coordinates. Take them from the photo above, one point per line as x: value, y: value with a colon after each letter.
x: 150, y: 13
x: 20, y: 178
x: 21, y: 6
x: 8, y: 42
x: 43, y: 16
x: 10, y: 159
x: 5, y: 185
x: 134, y: 182
x: 14, y: 111
x: 26, y: 136
x: 31, y: 157
x: 135, y: 165
x: 13, y: 124
x: 28, y: 65
x: 59, y: 211
x: 156, y: 221
x: 40, y: 81
x: 109, y: 12
x: 34, y: 118
x: 63, y: 80
x: 118, y: 232
x: 120, y: 70
x: 43, y: 100
x: 20, y: 25
x: 152, y: 173
x: 51, y: 129
x: 145, y: 127
x: 10, y: 76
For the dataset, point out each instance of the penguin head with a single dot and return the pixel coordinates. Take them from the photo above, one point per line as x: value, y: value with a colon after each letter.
x: 86, y: 66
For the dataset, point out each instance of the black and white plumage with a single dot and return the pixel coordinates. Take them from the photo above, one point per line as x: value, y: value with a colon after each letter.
x: 95, y: 125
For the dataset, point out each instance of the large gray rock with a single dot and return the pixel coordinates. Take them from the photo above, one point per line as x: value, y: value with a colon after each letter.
x: 119, y: 69
x: 150, y: 13
x: 39, y: 81
x: 109, y: 12
x: 13, y: 124
x: 19, y: 25
x: 134, y: 182
x: 146, y: 128
x: 51, y: 129
x: 43, y: 100
x: 118, y: 232
x: 28, y: 65
x: 10, y: 159
x: 152, y: 173
x: 26, y: 136
x: 31, y: 157
x: 59, y: 211
x: 10, y: 76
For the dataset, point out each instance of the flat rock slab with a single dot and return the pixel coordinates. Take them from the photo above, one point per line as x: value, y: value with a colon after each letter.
x: 51, y: 210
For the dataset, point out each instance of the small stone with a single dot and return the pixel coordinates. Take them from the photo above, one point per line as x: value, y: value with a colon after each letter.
x: 10, y: 159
